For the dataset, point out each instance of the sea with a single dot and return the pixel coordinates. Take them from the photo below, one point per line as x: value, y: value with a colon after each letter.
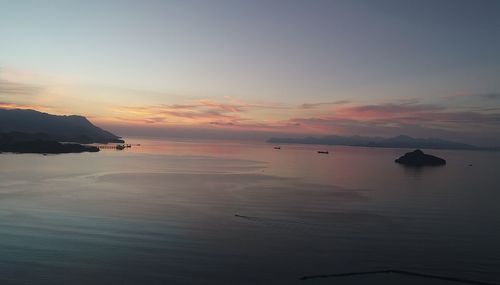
x: 228, y: 212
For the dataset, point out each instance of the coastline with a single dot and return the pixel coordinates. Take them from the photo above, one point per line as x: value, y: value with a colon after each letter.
x: 45, y: 147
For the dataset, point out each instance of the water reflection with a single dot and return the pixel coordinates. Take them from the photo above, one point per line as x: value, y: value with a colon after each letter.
x: 230, y: 213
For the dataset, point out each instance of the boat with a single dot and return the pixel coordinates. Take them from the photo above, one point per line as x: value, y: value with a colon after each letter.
x: 323, y: 151
x: 120, y: 147
x: 277, y: 147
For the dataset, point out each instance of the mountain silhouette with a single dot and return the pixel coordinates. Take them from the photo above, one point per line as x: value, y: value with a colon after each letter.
x: 33, y: 125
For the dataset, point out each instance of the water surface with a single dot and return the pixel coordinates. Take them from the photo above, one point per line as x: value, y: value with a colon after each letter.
x: 187, y: 212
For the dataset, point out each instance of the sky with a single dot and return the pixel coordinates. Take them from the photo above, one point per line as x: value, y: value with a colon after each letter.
x: 255, y: 69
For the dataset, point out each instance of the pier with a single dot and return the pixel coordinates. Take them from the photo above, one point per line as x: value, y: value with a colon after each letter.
x: 117, y: 146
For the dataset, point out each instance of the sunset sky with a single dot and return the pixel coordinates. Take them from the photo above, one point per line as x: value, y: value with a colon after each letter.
x: 255, y: 69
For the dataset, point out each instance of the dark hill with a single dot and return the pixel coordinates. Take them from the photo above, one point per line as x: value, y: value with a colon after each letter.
x: 32, y: 124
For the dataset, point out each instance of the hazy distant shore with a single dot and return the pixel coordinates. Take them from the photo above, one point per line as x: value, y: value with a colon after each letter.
x: 400, y: 141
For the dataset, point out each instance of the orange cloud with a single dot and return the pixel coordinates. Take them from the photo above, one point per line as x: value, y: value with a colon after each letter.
x: 343, y: 118
x: 205, y: 111
x: 9, y: 105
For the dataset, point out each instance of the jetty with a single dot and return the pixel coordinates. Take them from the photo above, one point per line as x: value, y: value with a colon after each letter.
x: 116, y: 146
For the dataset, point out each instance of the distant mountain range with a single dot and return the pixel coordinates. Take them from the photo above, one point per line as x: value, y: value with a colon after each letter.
x: 400, y: 141
x: 29, y: 125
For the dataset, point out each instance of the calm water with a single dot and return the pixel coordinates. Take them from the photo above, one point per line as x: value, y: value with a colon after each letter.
x: 165, y: 213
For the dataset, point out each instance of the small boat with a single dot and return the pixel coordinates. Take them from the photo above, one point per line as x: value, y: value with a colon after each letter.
x: 323, y: 151
x: 277, y: 147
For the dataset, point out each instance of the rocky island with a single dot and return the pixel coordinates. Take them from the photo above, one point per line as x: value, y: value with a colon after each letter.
x: 30, y: 131
x: 419, y: 158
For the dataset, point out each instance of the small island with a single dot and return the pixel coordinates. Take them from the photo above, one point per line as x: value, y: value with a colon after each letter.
x: 419, y: 158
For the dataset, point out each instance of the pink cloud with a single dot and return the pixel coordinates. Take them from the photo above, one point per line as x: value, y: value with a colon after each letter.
x: 412, y: 118
x: 385, y: 111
